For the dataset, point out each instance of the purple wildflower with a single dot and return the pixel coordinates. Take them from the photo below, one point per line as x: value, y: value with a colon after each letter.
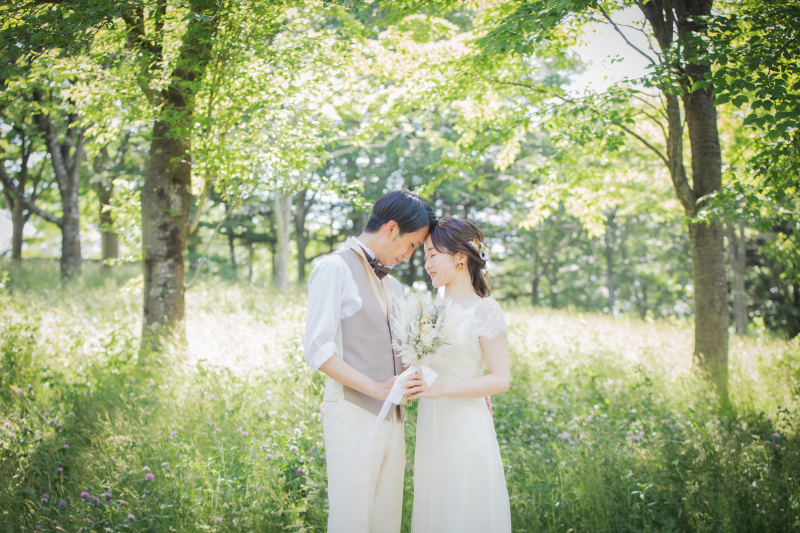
x: 408, y: 463
x: 293, y: 448
x: 213, y: 424
x: 322, y: 457
x: 173, y: 432
x: 91, y: 487
x: 59, y: 469
x: 313, y: 448
x: 122, y: 502
x: 146, y: 468
x: 27, y: 428
x: 62, y: 503
x: 543, y: 435
x: 46, y: 414
x: 85, y: 495
x: 44, y: 500
x: 107, y: 496
x: 95, y: 500
x: 144, y: 495
x: 218, y: 520
x: 244, y: 433
x: 298, y: 472
x: 769, y: 419
x: 269, y: 456
x: 131, y: 517
x: 149, y: 477
x: 45, y: 495
x: 776, y: 435
x: 66, y: 446
x: 549, y: 419
x: 563, y: 436
x: 296, y: 431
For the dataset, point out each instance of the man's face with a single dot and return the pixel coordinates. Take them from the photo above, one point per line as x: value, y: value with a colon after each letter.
x: 399, y: 247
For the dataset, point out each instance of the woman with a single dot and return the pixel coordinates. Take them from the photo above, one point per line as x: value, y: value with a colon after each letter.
x: 459, y: 482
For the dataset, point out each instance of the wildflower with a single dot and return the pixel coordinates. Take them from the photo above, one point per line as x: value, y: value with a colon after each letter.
x: 296, y: 431
x: 149, y: 477
x: 85, y: 495
x: 504, y: 441
x: 54, y: 523
x: 298, y: 472
x: 146, y: 468
x: 213, y: 397
x: 293, y: 448
x: 244, y: 433
x: 66, y: 446
x: 46, y: 414
x: 122, y: 502
x: 62, y: 503
x: 27, y: 428
x: 107, y: 496
x: 131, y: 517
x: 543, y: 435
x: 218, y: 520
x: 311, y: 459
x: 91, y: 487
x: 689, y: 407
x: 173, y: 433
x: 95, y: 500
x: 45, y: 496
x: 213, y: 425
x: 408, y: 463
x: 144, y: 495
x: 769, y: 419
x: 549, y: 419
x: 269, y: 456
x: 6, y: 425
x: 313, y: 448
x: 38, y: 528
x: 776, y: 435
x: 537, y: 445
x: 321, y: 457
x: 44, y: 500
x: 59, y: 469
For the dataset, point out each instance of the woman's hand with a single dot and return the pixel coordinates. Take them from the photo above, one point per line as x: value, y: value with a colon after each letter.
x: 416, y: 387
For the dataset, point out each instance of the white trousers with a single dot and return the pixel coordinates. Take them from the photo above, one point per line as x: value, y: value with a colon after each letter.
x: 365, y: 493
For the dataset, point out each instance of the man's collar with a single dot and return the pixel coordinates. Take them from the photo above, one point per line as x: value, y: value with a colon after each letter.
x: 361, y: 244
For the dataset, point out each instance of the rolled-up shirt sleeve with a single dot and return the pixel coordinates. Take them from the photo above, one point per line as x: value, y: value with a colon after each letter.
x: 325, y: 290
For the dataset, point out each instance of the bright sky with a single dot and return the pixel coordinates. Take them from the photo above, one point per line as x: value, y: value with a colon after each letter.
x: 601, y: 44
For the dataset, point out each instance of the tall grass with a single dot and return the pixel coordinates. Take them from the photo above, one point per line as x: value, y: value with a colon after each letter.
x: 606, y: 426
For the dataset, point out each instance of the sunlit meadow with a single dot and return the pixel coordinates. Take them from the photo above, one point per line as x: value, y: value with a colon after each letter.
x: 606, y: 426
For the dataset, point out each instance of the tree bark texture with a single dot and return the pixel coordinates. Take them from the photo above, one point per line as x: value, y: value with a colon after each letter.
x: 283, y: 214
x: 167, y: 191
x: 684, y: 17
x: 109, y: 237
x: 610, y: 240
x: 66, y: 157
x: 302, y: 207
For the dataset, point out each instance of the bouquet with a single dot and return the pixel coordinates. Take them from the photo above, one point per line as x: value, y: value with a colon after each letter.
x: 423, y: 320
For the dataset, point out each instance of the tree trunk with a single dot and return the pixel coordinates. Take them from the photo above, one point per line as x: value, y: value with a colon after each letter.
x: 251, y: 261
x: 737, y: 251
x: 535, y: 290
x: 70, y: 231
x: 18, y: 220
x: 706, y: 241
x: 109, y: 238
x: 232, y: 247
x: 300, y: 214
x: 283, y: 214
x: 610, y: 239
x: 166, y: 198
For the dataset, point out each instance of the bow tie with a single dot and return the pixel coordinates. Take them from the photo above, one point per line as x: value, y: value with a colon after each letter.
x: 380, y: 270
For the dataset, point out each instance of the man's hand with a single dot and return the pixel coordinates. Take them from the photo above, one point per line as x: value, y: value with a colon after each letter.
x: 381, y: 390
x: 489, y: 405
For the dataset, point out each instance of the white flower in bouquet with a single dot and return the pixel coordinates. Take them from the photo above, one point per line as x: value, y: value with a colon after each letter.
x: 419, y: 327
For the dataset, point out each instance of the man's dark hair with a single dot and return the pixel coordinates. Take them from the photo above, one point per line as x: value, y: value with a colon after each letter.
x: 410, y: 212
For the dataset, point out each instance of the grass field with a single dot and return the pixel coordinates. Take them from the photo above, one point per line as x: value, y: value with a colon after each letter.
x: 606, y: 426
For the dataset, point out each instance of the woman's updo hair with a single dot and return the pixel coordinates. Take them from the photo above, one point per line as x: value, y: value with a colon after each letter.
x: 453, y: 235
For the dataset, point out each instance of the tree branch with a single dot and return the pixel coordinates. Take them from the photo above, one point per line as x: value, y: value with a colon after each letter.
x: 644, y: 142
x: 20, y: 196
x: 353, y: 148
x: 208, y: 245
x: 616, y: 28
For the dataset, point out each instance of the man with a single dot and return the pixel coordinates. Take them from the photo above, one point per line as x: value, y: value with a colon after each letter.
x: 348, y: 337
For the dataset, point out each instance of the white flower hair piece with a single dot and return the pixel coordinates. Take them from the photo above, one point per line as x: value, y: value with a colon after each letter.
x: 482, y: 250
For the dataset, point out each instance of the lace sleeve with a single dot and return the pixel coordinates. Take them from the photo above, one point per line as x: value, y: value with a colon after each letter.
x: 490, y: 321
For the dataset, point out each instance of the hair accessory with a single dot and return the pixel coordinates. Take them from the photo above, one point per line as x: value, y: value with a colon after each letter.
x: 479, y: 247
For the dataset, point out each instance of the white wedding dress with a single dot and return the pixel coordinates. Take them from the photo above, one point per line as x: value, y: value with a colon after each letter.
x: 459, y: 482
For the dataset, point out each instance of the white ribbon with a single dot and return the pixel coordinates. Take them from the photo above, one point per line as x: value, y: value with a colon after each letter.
x: 395, y: 397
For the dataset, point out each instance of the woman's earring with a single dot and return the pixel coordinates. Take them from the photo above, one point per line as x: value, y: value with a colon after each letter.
x: 460, y: 266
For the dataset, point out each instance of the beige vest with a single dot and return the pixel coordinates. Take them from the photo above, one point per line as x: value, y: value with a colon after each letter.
x: 366, y: 336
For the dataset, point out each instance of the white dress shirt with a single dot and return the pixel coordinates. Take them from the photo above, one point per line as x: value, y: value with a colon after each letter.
x: 332, y: 296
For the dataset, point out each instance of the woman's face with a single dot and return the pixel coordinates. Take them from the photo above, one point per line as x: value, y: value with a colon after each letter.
x: 441, y: 266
